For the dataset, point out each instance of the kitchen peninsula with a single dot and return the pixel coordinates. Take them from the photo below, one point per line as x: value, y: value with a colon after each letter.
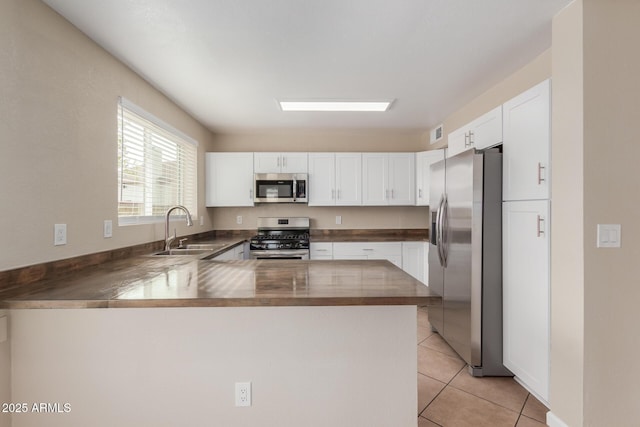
x: 179, y: 331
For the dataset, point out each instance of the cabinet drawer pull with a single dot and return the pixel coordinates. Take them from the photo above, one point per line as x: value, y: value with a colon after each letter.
x: 540, y: 178
x: 540, y: 231
x: 365, y: 249
x: 320, y: 250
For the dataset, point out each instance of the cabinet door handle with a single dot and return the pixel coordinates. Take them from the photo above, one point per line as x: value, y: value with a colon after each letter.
x: 250, y: 194
x: 420, y: 193
x: 333, y: 194
x: 540, y: 231
x: 284, y: 161
x: 540, y: 178
x: 392, y: 194
x: 471, y: 141
x: 338, y: 191
x: 467, y: 138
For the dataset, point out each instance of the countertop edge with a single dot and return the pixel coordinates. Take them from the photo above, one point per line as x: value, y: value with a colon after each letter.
x: 429, y: 301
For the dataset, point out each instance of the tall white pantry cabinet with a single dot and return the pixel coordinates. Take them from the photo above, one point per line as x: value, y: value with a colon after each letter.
x: 526, y: 237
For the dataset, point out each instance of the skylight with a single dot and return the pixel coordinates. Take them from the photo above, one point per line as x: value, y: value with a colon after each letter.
x: 334, y: 105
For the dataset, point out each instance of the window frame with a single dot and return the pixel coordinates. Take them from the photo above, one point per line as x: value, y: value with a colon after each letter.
x: 180, y: 138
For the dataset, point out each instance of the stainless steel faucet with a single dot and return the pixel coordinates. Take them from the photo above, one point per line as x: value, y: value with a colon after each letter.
x: 168, y: 239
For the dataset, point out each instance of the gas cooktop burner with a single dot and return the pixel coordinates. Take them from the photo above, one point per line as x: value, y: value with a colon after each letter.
x: 302, y: 236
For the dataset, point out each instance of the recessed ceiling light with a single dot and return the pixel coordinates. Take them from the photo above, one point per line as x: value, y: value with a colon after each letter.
x: 334, y: 105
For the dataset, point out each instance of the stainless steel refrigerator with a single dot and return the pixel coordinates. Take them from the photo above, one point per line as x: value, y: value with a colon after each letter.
x: 465, y: 257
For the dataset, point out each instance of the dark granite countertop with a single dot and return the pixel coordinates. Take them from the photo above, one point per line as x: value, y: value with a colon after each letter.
x: 198, y: 281
x: 188, y: 281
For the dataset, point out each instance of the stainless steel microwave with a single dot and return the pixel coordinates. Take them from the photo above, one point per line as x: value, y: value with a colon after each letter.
x: 281, y: 188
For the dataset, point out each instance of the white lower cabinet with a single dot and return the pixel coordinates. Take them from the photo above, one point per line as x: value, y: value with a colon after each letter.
x: 321, y: 250
x: 526, y: 250
x: 235, y: 253
x: 409, y: 256
x: 414, y: 259
x: 391, y: 251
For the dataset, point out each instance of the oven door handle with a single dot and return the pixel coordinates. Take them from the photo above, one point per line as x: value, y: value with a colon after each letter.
x: 279, y: 253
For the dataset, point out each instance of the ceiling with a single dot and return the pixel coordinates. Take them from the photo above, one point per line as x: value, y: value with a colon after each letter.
x: 226, y: 62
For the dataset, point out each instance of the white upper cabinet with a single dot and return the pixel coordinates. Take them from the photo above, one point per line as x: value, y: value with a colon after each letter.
x: 388, y: 179
x: 280, y: 163
x: 457, y: 141
x: 486, y: 130
x: 335, y: 179
x: 402, y: 178
x: 229, y: 179
x: 375, y: 176
x: 322, y: 179
x: 348, y: 179
x: 424, y: 160
x: 527, y: 137
x: 481, y: 133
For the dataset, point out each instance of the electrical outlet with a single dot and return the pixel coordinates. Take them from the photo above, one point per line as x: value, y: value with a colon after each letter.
x: 243, y: 394
x: 338, y: 219
x: 60, y: 234
x: 239, y: 219
x: 108, y: 228
x: 201, y: 220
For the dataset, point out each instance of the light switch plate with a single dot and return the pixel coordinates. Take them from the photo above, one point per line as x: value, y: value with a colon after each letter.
x: 60, y: 234
x: 608, y: 236
x: 338, y: 219
x: 108, y: 228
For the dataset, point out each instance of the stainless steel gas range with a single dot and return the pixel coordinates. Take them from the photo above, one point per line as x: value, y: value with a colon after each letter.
x: 281, y: 238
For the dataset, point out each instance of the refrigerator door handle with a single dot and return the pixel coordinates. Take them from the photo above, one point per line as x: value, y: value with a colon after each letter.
x: 444, y: 225
x: 437, y: 231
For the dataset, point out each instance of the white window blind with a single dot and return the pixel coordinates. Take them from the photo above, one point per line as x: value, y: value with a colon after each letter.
x: 157, y: 167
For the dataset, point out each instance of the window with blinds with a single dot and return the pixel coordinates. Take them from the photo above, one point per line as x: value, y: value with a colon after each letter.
x: 157, y: 167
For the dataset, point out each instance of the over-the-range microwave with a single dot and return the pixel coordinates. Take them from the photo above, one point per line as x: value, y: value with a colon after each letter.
x: 281, y: 188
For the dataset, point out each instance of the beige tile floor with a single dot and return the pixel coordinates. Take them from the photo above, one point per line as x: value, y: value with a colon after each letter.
x: 449, y: 397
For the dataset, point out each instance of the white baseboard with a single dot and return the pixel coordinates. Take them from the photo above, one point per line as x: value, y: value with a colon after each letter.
x: 554, y: 421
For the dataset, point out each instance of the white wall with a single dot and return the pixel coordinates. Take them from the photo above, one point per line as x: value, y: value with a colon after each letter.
x: 309, y: 366
x: 595, y: 290
x: 567, y: 218
x: 611, y: 151
x: 58, y: 135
